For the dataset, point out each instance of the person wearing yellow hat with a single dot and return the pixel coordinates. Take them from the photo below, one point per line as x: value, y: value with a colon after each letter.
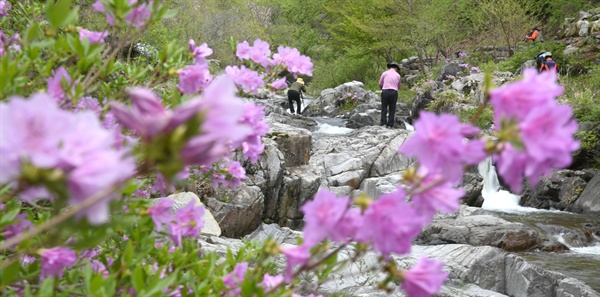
x: 295, y: 93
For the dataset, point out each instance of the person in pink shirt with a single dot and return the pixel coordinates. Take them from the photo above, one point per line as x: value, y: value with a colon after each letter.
x: 389, y: 84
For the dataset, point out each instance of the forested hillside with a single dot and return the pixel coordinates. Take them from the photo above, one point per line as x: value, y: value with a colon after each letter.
x: 353, y: 39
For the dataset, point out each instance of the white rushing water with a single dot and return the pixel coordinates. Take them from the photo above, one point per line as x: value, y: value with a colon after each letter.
x: 329, y: 129
x: 494, y: 198
x: 589, y: 250
x: 409, y: 127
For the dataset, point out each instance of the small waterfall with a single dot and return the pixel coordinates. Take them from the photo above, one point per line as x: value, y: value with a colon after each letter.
x: 591, y: 250
x: 408, y: 126
x: 331, y: 126
x: 493, y: 196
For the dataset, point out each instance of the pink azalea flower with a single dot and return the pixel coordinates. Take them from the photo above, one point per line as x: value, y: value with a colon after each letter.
x: 547, y: 134
x: 243, y: 50
x: 148, y: 117
x: 439, y: 196
x: 301, y: 65
x: 269, y: 282
x: 280, y: 83
x: 516, y: 100
x: 260, y: 52
x: 253, y: 117
x: 223, y: 111
x: 545, y: 128
x: 48, y: 137
x: 323, y: 216
x: 55, y: 259
x: 12, y: 43
x: 193, y: 78
x: 4, y: 7
x: 99, y: 171
x: 55, y: 84
x: 99, y: 268
x: 390, y: 224
x: 161, y: 212
x: 439, y: 143
x: 235, y: 279
x: 297, y: 255
x: 140, y: 14
x: 234, y: 178
x: 188, y: 222
x: 99, y: 6
x: 200, y: 53
x: 247, y: 79
x: 91, y: 36
x: 292, y: 60
x: 425, y: 278
x: 20, y: 223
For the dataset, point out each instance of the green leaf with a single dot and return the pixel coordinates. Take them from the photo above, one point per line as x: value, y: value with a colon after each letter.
x: 137, y: 279
x: 9, y: 273
x: 60, y: 13
x: 170, y: 13
x: 47, y: 288
x: 161, y: 285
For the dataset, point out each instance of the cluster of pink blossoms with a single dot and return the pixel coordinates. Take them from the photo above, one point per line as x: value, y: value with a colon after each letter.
x: 389, y: 225
x: 545, y: 127
x: 54, y: 260
x: 36, y: 132
x: 9, y: 44
x: 286, y: 58
x: 221, y: 111
x: 234, y: 280
x: 196, y: 77
x: 4, y: 7
x: 137, y: 17
x: 59, y: 78
x: 92, y: 37
x: 185, y: 222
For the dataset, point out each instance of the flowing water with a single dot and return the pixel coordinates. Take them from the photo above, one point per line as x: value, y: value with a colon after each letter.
x: 575, y: 231
x: 330, y: 126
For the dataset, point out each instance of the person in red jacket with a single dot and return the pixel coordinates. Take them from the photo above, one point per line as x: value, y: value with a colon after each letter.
x: 533, y: 34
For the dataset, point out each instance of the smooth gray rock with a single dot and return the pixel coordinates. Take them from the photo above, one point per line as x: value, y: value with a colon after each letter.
x: 298, y: 187
x: 293, y: 142
x: 450, y: 69
x: 238, y: 211
x: 479, y: 230
x: 211, y: 227
x: 273, y: 231
x: 558, y: 191
x: 589, y: 200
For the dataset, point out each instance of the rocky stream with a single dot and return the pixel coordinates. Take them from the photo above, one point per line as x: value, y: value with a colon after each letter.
x: 544, y: 243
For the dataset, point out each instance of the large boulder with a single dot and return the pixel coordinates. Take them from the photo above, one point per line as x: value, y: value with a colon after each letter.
x: 589, y: 200
x: 527, y: 64
x: 559, y: 191
x: 293, y: 142
x: 473, y: 84
x: 211, y: 227
x: 479, y: 230
x: 345, y: 161
x: 238, y: 211
x: 419, y: 103
x: 448, y: 70
x: 299, y: 185
x: 328, y: 103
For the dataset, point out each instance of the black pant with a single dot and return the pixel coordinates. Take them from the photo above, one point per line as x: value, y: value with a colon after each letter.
x: 294, y: 96
x: 389, y: 98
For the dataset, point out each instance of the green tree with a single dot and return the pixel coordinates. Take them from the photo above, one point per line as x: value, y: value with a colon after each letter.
x: 504, y: 22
